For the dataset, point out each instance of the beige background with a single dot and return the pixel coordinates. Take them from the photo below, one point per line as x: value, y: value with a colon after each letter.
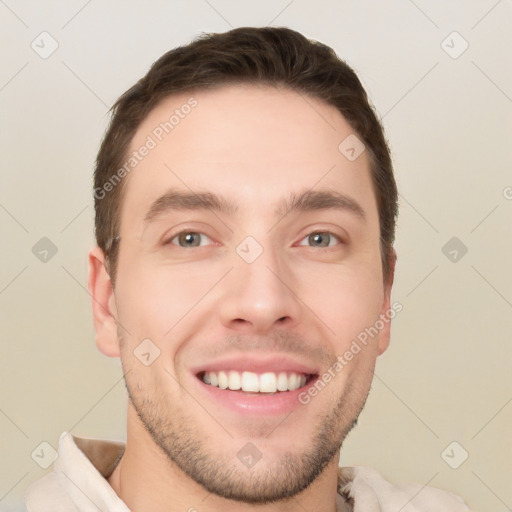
x: 446, y: 376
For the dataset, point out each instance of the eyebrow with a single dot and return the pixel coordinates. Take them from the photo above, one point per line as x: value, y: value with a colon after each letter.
x: 310, y: 200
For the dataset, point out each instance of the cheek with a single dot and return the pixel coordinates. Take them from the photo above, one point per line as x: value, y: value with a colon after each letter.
x: 347, y: 300
x: 344, y: 298
x: 151, y: 301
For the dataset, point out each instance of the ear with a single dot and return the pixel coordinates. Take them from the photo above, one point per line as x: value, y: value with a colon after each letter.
x: 103, y: 304
x: 385, y: 333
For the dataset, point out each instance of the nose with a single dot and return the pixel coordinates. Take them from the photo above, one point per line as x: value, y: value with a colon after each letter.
x: 259, y: 296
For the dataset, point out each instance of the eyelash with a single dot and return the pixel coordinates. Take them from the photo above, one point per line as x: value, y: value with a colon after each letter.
x: 330, y: 233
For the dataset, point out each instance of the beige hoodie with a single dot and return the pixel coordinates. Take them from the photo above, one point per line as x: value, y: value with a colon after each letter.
x: 78, y: 484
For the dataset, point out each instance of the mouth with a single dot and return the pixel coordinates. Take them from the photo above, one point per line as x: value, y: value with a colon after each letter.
x: 255, y: 385
x: 265, y: 383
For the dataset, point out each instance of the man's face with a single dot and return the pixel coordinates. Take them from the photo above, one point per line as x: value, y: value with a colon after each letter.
x: 248, y: 289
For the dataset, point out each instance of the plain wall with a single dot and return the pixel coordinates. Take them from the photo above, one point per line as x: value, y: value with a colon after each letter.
x: 446, y: 376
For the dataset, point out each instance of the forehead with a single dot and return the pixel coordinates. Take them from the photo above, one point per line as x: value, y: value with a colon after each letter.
x: 253, y: 143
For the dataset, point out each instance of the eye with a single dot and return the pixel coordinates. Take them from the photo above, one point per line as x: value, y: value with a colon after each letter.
x: 321, y: 239
x: 189, y: 239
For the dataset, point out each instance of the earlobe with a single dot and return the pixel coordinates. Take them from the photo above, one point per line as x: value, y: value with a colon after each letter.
x: 103, y: 304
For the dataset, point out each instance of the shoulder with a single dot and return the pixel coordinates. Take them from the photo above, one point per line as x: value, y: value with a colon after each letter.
x: 47, y: 495
x: 368, y: 491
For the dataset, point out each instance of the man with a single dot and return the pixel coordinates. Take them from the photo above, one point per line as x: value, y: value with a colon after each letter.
x: 245, y: 217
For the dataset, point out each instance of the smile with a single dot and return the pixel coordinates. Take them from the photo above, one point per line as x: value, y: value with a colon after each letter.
x: 267, y: 382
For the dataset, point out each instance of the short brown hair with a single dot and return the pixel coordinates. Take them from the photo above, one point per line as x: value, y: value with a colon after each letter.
x: 274, y: 56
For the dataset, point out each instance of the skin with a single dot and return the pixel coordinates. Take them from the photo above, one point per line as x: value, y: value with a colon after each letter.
x: 255, y: 145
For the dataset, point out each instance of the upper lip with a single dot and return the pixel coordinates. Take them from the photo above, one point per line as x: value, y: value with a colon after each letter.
x: 258, y: 364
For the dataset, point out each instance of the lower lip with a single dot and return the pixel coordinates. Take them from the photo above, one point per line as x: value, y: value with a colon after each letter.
x: 256, y: 403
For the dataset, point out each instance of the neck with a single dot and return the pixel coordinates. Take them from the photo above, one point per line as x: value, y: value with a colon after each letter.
x: 146, y: 479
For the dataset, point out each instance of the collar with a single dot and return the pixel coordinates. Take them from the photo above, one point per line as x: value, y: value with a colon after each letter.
x: 78, y: 482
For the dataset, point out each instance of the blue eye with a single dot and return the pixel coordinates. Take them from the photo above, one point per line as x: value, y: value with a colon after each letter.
x: 189, y: 239
x: 321, y: 239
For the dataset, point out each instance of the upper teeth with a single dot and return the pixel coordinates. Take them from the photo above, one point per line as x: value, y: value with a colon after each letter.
x: 268, y: 382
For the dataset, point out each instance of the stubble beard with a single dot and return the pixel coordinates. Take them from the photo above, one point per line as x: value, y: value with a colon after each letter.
x: 189, y: 447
